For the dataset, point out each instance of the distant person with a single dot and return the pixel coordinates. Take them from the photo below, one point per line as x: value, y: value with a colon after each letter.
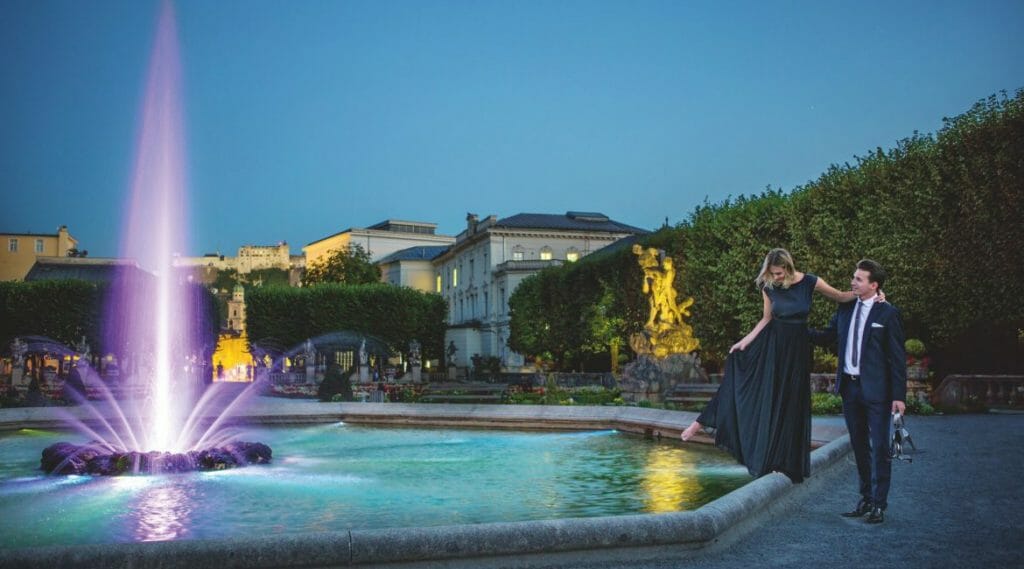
x: 762, y: 411
x: 872, y: 380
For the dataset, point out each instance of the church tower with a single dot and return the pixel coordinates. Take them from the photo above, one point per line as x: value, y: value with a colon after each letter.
x: 236, y: 310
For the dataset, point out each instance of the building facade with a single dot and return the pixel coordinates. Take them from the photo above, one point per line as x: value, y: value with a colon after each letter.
x: 19, y: 251
x: 478, y: 274
x: 379, y: 240
x: 412, y: 267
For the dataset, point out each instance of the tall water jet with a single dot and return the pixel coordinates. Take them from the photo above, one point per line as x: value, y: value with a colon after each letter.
x: 156, y: 320
x: 153, y: 234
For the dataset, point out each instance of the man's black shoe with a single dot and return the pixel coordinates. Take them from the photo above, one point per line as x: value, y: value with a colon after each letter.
x: 863, y: 507
x: 876, y: 516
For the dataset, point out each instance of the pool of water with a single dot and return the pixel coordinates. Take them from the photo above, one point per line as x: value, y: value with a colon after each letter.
x: 336, y: 477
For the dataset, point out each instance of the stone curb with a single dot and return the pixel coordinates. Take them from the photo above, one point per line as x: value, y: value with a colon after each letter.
x: 694, y: 529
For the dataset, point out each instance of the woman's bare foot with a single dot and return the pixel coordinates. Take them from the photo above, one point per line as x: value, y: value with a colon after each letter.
x: 690, y: 431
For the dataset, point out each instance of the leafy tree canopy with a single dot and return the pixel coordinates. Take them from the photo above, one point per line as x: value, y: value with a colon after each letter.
x: 349, y: 265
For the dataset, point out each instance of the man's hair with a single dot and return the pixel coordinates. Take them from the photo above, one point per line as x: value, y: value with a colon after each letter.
x: 876, y: 274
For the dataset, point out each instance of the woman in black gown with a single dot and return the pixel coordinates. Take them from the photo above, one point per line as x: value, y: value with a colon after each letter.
x: 762, y: 411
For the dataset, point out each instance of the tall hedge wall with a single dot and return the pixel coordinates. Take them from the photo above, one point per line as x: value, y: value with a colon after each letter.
x: 66, y: 310
x: 943, y: 213
x: 396, y: 315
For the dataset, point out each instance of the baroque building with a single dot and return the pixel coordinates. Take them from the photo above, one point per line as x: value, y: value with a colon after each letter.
x: 489, y: 259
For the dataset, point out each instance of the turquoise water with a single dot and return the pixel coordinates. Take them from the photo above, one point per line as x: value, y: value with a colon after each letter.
x: 338, y: 477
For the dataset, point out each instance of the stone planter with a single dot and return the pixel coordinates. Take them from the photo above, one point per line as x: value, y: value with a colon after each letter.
x: 919, y: 390
x: 917, y: 372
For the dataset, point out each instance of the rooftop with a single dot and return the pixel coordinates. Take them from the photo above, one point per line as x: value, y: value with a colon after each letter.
x: 571, y: 220
x: 418, y: 253
x: 80, y: 268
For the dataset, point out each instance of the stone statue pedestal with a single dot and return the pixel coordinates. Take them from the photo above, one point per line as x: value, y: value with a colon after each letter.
x: 453, y: 373
x: 417, y: 374
x: 364, y: 373
x: 652, y: 379
x: 310, y: 373
x: 19, y: 380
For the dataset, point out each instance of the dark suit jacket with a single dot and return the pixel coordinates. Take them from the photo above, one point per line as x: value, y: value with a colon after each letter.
x: 883, y: 359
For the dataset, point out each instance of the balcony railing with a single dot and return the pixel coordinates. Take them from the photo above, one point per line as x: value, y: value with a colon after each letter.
x: 530, y: 265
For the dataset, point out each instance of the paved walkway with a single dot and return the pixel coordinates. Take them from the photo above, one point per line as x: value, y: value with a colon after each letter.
x: 959, y: 504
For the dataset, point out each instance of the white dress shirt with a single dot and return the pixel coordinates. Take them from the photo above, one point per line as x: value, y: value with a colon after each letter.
x: 865, y: 308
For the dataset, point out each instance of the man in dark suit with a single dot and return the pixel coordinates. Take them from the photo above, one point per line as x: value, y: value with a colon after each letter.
x: 872, y: 380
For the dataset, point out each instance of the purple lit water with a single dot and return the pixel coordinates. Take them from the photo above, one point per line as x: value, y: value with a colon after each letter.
x: 151, y: 316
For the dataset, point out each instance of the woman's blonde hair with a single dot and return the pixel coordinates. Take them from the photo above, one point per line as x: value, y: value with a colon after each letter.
x: 776, y: 258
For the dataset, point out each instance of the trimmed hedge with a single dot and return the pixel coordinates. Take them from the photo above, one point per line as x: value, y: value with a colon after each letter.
x: 944, y: 214
x: 396, y: 315
x: 66, y: 310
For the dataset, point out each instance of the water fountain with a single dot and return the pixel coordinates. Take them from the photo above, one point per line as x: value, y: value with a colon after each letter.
x: 343, y: 495
x: 155, y: 319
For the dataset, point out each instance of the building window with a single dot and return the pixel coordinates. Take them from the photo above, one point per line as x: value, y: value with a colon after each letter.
x: 345, y: 359
x: 545, y: 254
x: 39, y: 245
x: 438, y: 283
x: 12, y: 245
x: 455, y: 277
x: 487, y: 304
x: 572, y: 256
x: 517, y: 255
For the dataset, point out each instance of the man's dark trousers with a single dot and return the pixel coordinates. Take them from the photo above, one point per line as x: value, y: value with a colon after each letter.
x: 863, y: 417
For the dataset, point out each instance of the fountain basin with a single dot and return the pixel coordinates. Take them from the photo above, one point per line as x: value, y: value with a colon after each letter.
x: 366, y: 545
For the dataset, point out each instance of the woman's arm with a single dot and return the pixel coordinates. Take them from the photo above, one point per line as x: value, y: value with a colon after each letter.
x: 827, y: 291
x: 766, y: 317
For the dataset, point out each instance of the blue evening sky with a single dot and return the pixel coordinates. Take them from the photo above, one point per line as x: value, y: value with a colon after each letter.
x: 304, y: 118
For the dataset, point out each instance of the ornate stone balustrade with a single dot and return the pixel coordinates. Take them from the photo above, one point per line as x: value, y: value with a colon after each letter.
x: 287, y: 377
x: 994, y: 391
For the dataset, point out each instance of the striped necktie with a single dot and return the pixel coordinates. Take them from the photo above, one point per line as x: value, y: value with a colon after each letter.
x: 856, y: 334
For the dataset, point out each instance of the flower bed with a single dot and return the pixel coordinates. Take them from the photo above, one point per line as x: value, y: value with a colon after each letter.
x: 294, y: 390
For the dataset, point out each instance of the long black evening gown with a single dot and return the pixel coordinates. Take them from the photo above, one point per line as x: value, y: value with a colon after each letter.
x: 762, y: 411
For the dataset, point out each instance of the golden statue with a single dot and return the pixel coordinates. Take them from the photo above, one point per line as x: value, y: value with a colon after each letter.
x: 665, y: 332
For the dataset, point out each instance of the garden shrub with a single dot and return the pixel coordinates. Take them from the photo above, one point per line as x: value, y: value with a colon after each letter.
x: 826, y: 404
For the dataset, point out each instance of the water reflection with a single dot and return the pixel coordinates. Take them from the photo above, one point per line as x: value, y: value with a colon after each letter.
x: 669, y: 482
x: 161, y: 513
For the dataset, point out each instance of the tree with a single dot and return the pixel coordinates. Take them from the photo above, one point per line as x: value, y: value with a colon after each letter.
x: 349, y: 265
